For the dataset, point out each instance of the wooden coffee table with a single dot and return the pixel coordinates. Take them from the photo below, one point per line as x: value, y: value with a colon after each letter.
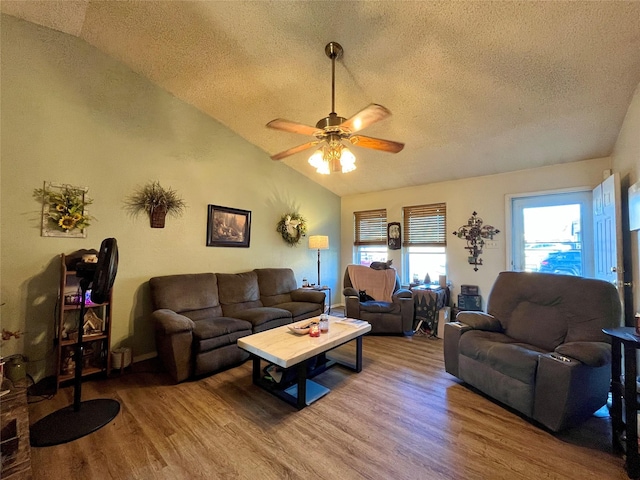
x: 282, y: 347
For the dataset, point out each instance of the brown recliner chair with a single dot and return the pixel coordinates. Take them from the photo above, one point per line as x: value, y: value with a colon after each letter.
x: 539, y: 348
x: 391, y: 311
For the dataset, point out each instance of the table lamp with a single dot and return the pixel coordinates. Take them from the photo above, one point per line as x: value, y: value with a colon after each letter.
x: 318, y: 242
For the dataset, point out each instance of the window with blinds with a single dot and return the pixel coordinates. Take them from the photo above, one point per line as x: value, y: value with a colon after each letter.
x: 425, y: 225
x: 370, y: 227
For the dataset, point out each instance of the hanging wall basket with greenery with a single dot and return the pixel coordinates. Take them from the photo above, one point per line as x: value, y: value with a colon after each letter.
x: 292, y: 227
x: 157, y: 202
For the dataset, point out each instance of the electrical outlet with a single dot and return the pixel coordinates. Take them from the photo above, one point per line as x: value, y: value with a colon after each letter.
x: 490, y: 244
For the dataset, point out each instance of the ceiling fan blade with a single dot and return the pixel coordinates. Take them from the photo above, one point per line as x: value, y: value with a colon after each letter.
x: 376, y: 143
x: 294, y: 150
x: 293, y: 127
x: 365, y: 117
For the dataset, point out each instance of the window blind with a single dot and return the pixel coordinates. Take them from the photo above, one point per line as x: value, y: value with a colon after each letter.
x: 425, y: 225
x: 370, y: 227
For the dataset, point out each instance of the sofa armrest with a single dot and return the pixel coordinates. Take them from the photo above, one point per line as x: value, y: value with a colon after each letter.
x: 593, y: 354
x: 479, y: 321
x: 306, y: 295
x: 174, y: 338
x: 169, y: 322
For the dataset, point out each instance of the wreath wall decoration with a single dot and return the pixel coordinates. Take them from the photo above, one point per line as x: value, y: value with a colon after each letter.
x: 292, y: 227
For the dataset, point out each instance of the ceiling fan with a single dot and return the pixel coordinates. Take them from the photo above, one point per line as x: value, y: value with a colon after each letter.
x: 331, y: 131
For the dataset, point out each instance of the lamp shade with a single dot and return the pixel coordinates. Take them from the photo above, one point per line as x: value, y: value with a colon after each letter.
x: 318, y: 242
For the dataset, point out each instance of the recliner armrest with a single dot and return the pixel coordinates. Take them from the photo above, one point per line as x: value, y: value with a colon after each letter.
x: 593, y: 354
x: 401, y: 293
x: 480, y: 321
x: 169, y: 322
x: 350, y: 292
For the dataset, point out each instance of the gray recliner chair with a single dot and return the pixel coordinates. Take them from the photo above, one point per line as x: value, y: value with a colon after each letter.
x: 539, y: 348
x: 386, y: 315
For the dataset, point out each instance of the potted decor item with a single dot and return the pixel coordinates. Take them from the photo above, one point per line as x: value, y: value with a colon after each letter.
x: 156, y: 201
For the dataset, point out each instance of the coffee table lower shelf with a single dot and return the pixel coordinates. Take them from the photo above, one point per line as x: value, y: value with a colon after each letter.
x: 304, y: 391
x: 314, y: 391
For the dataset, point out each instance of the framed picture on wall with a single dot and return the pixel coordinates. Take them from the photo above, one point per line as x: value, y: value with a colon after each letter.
x: 228, y: 227
x: 394, y: 238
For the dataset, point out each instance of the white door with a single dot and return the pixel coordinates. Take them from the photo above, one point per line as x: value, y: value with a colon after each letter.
x: 607, y: 223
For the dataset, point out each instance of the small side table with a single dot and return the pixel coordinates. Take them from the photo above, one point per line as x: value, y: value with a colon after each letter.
x: 627, y: 393
x: 323, y: 288
x: 428, y: 300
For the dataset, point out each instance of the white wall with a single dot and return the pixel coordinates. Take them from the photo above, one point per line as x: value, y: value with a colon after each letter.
x: 71, y: 114
x: 626, y: 161
x: 485, y: 195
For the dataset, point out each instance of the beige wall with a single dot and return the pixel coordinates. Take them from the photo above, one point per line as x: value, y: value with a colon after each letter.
x: 486, y: 195
x: 626, y: 161
x: 70, y: 114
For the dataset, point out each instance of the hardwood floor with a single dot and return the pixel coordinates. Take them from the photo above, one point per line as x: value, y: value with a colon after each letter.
x: 402, y: 417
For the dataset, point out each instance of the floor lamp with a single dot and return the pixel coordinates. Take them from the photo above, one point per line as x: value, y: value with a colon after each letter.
x: 318, y: 242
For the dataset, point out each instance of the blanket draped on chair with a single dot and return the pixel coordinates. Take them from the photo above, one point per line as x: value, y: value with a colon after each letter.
x: 377, y: 283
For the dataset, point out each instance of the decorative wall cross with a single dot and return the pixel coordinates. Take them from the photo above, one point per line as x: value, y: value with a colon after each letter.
x: 475, y: 233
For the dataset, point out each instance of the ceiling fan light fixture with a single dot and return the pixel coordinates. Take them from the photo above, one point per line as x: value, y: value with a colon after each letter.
x: 324, y: 168
x: 333, y: 157
x: 317, y: 159
x: 347, y: 160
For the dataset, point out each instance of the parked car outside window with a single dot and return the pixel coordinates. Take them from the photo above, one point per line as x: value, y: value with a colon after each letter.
x: 567, y: 263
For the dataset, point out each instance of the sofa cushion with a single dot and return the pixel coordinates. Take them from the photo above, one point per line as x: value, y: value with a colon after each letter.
x: 502, y: 353
x: 477, y: 343
x: 216, y: 327
x: 515, y: 360
x: 186, y: 293
x: 584, y: 315
x: 373, y: 306
x: 237, y: 292
x: 261, y: 315
x: 276, y: 285
x: 298, y: 309
x: 544, y: 326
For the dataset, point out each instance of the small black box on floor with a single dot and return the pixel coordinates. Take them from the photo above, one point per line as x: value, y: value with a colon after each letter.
x: 469, y: 290
x: 470, y: 302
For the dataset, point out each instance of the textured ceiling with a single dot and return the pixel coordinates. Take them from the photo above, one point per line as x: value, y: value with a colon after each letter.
x: 475, y: 88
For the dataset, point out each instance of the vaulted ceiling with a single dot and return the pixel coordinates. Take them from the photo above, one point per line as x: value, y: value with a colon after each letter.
x: 475, y: 88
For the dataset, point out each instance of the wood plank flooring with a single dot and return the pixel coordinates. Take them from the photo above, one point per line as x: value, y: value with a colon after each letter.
x: 402, y: 417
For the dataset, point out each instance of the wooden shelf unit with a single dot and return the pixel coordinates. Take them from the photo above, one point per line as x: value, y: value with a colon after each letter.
x: 97, y: 346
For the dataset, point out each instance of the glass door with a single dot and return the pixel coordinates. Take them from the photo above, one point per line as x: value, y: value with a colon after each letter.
x: 553, y: 233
